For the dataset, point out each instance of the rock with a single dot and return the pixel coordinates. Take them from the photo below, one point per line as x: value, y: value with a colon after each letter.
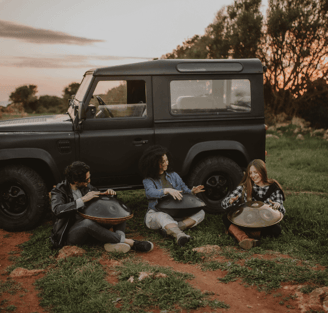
x: 300, y: 137
x: 272, y: 136
x: 298, y: 121
x: 23, y: 272
x: 297, y: 130
x: 281, y: 118
x: 69, y: 251
x: 319, y: 131
x: 271, y: 128
x: 279, y: 125
x: 318, y: 296
x: 207, y: 249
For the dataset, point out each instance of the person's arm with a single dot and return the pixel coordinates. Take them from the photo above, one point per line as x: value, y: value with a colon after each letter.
x: 60, y: 205
x: 151, y: 191
x: 276, y: 200
x: 233, y: 199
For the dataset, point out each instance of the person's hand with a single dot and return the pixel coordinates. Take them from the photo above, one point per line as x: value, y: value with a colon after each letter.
x: 109, y: 192
x: 176, y: 194
x: 232, y: 200
x: 90, y: 195
x: 275, y: 205
x: 197, y: 189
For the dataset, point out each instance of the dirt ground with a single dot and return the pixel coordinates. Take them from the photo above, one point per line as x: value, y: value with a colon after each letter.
x: 239, y: 298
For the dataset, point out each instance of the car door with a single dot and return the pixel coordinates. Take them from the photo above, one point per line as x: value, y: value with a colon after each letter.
x: 117, y: 130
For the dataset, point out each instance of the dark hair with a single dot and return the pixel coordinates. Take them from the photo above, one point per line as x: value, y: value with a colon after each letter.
x: 76, y: 172
x: 247, y: 183
x: 149, y: 161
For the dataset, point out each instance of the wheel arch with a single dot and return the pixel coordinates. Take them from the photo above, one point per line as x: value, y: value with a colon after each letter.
x: 233, y: 150
x: 37, y: 159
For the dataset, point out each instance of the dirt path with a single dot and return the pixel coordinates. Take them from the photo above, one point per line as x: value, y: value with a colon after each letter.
x: 239, y: 298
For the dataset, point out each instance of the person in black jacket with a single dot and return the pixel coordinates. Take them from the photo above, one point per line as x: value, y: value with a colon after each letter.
x: 72, y: 229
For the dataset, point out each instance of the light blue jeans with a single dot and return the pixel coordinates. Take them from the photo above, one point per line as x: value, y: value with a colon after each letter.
x: 158, y: 220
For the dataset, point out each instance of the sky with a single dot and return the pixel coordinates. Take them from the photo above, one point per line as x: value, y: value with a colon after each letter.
x: 51, y: 43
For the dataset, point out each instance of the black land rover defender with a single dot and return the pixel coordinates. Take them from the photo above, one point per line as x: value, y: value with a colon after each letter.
x: 208, y: 113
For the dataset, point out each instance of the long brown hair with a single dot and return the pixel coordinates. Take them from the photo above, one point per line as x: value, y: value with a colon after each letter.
x: 247, y: 183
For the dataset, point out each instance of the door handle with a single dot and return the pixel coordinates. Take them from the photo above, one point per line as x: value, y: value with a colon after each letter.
x: 139, y: 142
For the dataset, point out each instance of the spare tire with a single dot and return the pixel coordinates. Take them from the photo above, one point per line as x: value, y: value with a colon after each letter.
x: 23, y: 198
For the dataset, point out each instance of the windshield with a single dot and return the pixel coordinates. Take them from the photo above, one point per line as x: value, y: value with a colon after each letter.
x: 83, y: 87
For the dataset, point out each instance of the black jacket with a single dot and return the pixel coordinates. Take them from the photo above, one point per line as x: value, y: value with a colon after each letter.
x: 64, y: 208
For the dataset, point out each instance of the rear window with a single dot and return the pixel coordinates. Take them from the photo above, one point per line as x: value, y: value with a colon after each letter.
x: 210, y: 96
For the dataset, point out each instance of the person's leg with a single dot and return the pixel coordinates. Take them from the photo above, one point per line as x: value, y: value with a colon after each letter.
x: 192, y: 221
x: 243, y: 240
x: 81, y: 232
x: 273, y: 231
x: 167, y: 225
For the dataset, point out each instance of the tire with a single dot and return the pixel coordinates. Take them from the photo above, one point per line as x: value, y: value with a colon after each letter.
x: 23, y: 198
x: 220, y: 176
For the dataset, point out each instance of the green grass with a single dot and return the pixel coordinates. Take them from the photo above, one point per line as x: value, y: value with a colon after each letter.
x: 78, y: 284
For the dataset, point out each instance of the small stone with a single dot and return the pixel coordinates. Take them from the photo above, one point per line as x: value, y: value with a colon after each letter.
x: 69, y: 251
x: 23, y: 272
x: 272, y: 136
x: 207, y: 249
x: 299, y: 137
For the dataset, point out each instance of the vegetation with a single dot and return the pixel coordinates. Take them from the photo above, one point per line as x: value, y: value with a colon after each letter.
x: 25, y: 101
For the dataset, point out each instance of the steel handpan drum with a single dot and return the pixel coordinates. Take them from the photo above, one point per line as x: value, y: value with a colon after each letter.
x: 188, y: 206
x: 254, y: 214
x: 106, y: 210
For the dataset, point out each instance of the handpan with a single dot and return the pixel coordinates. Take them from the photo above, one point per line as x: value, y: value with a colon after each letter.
x: 189, y: 205
x: 106, y: 210
x: 254, y: 214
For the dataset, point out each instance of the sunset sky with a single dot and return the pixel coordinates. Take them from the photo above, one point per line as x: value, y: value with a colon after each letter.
x: 52, y: 43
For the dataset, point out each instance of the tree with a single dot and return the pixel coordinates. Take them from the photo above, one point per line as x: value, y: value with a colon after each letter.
x: 234, y: 33
x: 26, y: 96
x: 50, y: 104
x: 70, y: 90
x: 295, y: 52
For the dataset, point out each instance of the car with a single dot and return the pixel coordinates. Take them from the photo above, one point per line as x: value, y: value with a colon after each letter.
x: 208, y: 113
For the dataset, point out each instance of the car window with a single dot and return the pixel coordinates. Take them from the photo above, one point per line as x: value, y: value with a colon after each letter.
x: 118, y: 99
x: 210, y: 96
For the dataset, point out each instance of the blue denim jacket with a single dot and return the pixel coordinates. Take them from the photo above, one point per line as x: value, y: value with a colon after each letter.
x: 154, y: 189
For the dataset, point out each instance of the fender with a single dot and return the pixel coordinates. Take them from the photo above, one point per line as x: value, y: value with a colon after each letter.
x: 31, y: 153
x: 217, y: 145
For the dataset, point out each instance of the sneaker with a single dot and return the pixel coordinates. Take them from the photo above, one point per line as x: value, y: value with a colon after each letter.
x: 249, y: 243
x: 163, y: 232
x: 142, y: 246
x: 183, y: 239
x: 117, y: 247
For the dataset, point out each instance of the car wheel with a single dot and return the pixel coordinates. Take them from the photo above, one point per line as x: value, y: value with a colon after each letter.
x: 23, y: 198
x: 219, y: 175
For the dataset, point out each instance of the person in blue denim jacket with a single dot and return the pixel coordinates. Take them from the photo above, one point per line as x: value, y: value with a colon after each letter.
x: 160, y: 181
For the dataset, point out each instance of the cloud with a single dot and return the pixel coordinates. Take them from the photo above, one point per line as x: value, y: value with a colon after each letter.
x: 41, y: 36
x: 65, y: 61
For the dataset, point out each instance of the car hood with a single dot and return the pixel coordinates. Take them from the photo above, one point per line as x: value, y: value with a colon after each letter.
x: 46, y: 123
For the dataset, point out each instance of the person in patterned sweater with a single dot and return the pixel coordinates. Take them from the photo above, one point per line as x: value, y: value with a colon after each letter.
x: 255, y: 186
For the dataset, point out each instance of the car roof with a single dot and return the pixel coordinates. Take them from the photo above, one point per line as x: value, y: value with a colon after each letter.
x: 169, y: 67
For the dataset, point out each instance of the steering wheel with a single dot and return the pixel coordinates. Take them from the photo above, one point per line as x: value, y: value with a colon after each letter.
x: 106, y: 111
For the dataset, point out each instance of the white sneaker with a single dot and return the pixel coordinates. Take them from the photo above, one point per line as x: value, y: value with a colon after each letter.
x: 117, y: 247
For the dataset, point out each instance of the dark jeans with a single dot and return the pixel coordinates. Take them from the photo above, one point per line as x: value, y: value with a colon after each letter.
x: 85, y: 231
x: 273, y: 230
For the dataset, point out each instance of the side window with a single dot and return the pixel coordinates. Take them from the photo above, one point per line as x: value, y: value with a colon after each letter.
x: 118, y: 99
x: 210, y: 96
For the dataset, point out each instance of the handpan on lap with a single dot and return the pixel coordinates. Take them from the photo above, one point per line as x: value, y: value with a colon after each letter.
x: 254, y: 214
x: 188, y: 206
x: 106, y: 210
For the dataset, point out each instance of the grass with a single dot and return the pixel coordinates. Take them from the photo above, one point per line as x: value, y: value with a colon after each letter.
x: 79, y: 284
